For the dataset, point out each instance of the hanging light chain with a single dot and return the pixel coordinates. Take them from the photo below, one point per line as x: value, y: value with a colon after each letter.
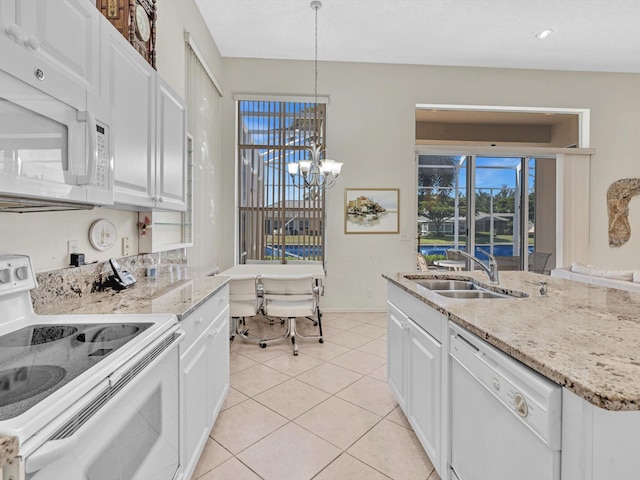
x: 315, y: 86
x: 316, y: 130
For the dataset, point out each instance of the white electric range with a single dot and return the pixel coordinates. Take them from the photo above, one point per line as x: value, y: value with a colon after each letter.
x: 87, y: 397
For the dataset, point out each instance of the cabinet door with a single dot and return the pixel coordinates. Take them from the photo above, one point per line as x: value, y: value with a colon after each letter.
x: 397, y: 325
x: 66, y: 33
x: 425, y: 389
x: 131, y: 90
x: 195, y: 382
x: 171, y: 181
x: 220, y: 363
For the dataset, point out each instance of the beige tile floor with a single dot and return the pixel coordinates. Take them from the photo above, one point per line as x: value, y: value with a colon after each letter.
x: 327, y: 414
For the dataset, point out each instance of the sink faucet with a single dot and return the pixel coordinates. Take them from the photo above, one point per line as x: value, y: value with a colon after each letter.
x: 491, y: 270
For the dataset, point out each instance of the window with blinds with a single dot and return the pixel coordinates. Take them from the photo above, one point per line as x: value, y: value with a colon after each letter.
x: 278, y: 220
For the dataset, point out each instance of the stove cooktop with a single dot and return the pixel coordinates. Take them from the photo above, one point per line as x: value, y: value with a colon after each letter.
x: 39, y: 359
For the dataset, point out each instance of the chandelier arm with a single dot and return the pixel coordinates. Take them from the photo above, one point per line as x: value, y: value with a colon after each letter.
x: 296, y: 181
x: 330, y: 181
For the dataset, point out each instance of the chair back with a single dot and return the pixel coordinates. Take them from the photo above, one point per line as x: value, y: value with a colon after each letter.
x: 537, y: 262
x: 422, y: 263
x: 289, y: 295
x: 243, y: 296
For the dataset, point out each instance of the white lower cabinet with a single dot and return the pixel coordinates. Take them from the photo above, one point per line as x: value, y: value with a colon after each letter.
x: 195, y: 375
x: 397, y: 324
x: 425, y: 389
x: 204, y: 376
x: 598, y: 444
x: 415, y: 376
x: 219, y: 349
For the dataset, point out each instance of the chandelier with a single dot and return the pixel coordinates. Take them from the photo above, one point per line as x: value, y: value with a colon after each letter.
x: 317, y: 172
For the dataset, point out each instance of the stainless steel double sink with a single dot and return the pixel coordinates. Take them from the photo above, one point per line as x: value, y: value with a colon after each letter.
x: 463, y: 289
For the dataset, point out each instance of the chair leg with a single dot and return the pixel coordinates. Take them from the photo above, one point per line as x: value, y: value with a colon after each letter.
x: 315, y: 322
x: 263, y: 342
x: 292, y: 323
x: 234, y: 324
x: 319, y: 324
x: 321, y: 340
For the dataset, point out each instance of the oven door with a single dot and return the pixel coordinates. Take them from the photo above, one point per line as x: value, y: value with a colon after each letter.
x: 132, y: 431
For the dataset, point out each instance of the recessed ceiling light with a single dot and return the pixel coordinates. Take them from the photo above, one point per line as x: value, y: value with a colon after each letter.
x: 544, y: 34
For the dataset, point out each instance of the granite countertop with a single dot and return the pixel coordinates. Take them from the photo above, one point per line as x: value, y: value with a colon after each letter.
x: 583, y: 337
x: 179, y: 292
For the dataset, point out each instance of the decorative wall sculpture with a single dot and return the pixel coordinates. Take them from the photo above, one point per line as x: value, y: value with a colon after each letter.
x: 619, y: 194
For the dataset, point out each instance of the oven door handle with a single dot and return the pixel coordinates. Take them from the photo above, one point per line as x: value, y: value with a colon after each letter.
x: 116, y: 376
x: 49, y: 452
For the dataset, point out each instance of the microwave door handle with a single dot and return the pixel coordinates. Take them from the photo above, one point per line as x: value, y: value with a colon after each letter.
x: 92, y: 155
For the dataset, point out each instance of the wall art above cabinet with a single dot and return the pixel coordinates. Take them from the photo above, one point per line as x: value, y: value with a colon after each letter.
x: 136, y: 21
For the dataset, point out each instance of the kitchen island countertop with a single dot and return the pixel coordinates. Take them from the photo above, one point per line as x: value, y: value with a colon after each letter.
x: 583, y: 337
x: 179, y: 291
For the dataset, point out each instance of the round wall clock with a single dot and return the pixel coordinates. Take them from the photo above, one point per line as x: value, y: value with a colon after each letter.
x: 102, y: 234
x: 143, y: 28
x: 136, y: 21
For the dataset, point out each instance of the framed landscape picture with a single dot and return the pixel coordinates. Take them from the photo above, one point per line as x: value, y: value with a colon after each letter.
x: 371, y: 210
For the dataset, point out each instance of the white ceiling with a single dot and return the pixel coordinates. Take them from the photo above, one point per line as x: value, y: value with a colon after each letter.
x: 588, y: 35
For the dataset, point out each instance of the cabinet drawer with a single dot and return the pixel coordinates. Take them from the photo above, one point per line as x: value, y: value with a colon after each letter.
x: 427, y: 318
x: 202, y: 318
x: 195, y: 324
x: 220, y: 300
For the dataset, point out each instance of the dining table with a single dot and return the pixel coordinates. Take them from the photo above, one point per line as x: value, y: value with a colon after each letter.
x: 276, y: 268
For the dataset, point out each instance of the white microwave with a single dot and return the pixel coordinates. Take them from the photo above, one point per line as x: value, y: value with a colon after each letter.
x: 55, y: 139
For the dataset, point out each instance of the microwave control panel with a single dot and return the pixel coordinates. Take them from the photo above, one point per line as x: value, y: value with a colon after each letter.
x: 102, y: 162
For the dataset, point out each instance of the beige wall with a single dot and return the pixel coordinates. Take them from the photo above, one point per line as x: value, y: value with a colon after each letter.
x: 371, y: 127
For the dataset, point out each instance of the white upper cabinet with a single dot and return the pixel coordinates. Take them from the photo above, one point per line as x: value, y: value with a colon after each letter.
x: 130, y: 87
x: 63, y: 33
x: 171, y: 178
x: 149, y: 128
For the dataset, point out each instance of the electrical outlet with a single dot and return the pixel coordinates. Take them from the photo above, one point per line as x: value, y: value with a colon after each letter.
x: 72, y: 247
x: 126, y: 247
x: 368, y: 293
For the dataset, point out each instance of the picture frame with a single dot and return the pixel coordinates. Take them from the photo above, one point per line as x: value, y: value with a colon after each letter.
x: 371, y: 210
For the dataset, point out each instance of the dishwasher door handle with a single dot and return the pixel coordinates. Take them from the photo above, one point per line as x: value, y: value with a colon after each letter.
x: 466, y: 342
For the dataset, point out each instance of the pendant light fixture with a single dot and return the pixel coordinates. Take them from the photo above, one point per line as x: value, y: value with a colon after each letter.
x: 317, y: 172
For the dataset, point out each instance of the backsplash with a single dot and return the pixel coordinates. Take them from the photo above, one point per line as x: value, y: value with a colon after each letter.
x: 57, y: 286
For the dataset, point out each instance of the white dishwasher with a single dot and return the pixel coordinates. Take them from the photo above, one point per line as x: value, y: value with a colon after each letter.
x: 505, y: 418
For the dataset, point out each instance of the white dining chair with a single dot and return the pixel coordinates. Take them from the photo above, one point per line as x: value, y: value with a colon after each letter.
x: 291, y: 297
x: 244, y: 301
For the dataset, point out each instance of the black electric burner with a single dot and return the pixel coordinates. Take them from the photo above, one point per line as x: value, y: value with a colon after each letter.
x: 39, y: 359
x: 36, y: 335
x: 22, y: 383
